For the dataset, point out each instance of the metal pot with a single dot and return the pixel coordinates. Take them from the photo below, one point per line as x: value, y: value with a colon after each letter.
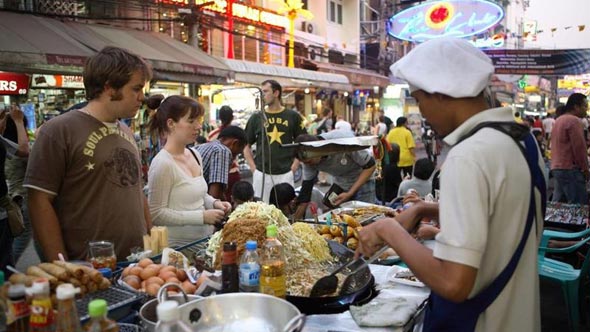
x: 147, y: 312
x: 242, y: 312
x: 230, y: 312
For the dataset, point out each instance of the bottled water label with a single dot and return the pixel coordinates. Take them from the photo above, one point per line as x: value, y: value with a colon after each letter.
x: 249, y: 274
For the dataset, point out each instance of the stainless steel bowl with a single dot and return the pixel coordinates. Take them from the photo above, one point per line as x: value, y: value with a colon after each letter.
x: 229, y: 312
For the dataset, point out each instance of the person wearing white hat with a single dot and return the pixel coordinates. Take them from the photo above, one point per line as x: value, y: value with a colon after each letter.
x: 483, y: 268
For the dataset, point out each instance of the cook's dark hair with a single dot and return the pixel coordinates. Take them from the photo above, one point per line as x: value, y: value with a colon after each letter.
x: 402, y: 120
x: 281, y: 194
x: 233, y: 132
x: 226, y: 115
x: 575, y: 99
x: 113, y: 66
x: 242, y: 191
x: 173, y: 107
x: 275, y: 86
x: 423, y: 168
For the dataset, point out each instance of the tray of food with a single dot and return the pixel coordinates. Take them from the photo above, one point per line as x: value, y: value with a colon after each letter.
x: 308, y: 255
x: 403, y: 276
x: 364, y: 213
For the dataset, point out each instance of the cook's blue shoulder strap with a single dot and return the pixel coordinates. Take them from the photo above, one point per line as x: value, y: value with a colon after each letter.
x: 444, y: 315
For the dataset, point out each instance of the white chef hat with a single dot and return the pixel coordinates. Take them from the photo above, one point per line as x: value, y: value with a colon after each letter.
x: 449, y: 66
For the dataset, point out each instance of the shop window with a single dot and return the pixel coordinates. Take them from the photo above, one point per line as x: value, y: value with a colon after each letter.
x: 335, y: 57
x: 335, y: 11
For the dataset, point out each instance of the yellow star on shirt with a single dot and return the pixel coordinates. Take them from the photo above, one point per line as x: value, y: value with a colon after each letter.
x: 275, y: 135
x: 89, y: 166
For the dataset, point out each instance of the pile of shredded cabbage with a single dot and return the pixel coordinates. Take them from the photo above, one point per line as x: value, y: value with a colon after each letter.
x: 305, y: 250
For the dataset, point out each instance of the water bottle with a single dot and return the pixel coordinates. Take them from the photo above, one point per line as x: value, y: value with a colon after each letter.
x: 250, y: 269
x: 169, y: 318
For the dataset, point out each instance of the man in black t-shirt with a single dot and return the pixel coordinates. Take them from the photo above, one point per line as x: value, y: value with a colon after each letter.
x: 272, y: 164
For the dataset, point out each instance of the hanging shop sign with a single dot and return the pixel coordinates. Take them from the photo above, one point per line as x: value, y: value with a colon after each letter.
x: 14, y: 84
x: 57, y: 81
x: 540, y: 62
x: 495, y: 41
x: 239, y: 10
x: 452, y: 18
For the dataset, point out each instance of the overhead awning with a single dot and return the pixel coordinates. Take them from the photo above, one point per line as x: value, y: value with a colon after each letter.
x: 169, y: 57
x: 39, y: 44
x: 359, y: 78
x: 255, y: 73
x: 45, y: 45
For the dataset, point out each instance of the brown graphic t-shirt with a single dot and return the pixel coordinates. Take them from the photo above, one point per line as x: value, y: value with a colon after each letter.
x: 94, y: 171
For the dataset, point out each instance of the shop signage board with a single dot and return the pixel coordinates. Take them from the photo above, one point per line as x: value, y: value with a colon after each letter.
x: 14, y: 84
x: 541, y: 62
x: 57, y: 81
x: 257, y: 15
x: 452, y: 18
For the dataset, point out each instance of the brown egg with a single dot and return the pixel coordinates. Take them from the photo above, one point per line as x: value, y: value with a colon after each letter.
x: 132, y: 281
x: 173, y: 280
x: 145, y: 262
x: 339, y: 239
x: 168, y: 268
x: 181, y: 275
x: 152, y: 289
x: 155, y: 266
x: 156, y: 280
x: 188, y: 287
x: 324, y: 229
x: 165, y: 275
x: 126, y: 271
x: 352, y: 243
x: 148, y: 273
x: 136, y: 271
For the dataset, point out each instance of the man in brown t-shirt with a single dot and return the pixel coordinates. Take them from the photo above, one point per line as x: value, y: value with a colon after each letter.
x: 84, y: 172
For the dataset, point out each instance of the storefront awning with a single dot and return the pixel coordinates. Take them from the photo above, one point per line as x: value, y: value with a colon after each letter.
x: 43, y: 45
x: 38, y: 44
x: 255, y: 73
x: 168, y: 56
x: 359, y: 78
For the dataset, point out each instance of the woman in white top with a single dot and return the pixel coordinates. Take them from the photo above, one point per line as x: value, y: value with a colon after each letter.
x: 177, y: 191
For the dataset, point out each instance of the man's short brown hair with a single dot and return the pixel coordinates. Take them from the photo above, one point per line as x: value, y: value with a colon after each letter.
x: 113, y: 66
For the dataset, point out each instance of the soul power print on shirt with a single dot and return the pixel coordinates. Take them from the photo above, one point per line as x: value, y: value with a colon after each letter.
x: 120, y: 164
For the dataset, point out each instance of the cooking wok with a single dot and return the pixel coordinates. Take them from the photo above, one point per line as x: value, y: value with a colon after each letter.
x: 338, y: 303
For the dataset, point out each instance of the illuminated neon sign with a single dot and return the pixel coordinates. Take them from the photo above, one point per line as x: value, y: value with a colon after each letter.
x: 238, y: 10
x: 452, y: 18
x: 495, y: 41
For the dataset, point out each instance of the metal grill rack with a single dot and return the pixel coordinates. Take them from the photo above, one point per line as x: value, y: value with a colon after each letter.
x: 119, y: 302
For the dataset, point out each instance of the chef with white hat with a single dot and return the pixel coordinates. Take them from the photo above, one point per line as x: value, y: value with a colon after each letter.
x: 483, y: 268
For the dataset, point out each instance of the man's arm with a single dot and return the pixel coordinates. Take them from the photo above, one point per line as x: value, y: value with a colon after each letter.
x: 304, y: 198
x: 21, y: 133
x: 249, y: 157
x: 578, y: 142
x: 45, y: 224
x: 295, y: 165
x: 216, y: 190
x: 147, y: 215
x: 450, y: 280
x: 360, y: 181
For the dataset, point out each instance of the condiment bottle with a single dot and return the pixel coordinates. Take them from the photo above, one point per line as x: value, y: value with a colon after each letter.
x: 97, y: 310
x: 229, y: 268
x: 169, y: 318
x: 42, y: 317
x: 272, y: 265
x: 67, y: 315
x: 250, y: 269
x: 18, y: 309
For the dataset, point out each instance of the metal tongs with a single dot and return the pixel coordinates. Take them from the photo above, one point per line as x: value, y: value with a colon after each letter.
x: 329, y: 284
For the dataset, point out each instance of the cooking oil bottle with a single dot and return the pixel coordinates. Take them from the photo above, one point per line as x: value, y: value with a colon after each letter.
x: 272, y: 265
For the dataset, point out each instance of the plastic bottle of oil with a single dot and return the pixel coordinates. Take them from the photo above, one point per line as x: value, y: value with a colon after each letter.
x: 272, y: 265
x: 99, y: 322
x: 67, y: 315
